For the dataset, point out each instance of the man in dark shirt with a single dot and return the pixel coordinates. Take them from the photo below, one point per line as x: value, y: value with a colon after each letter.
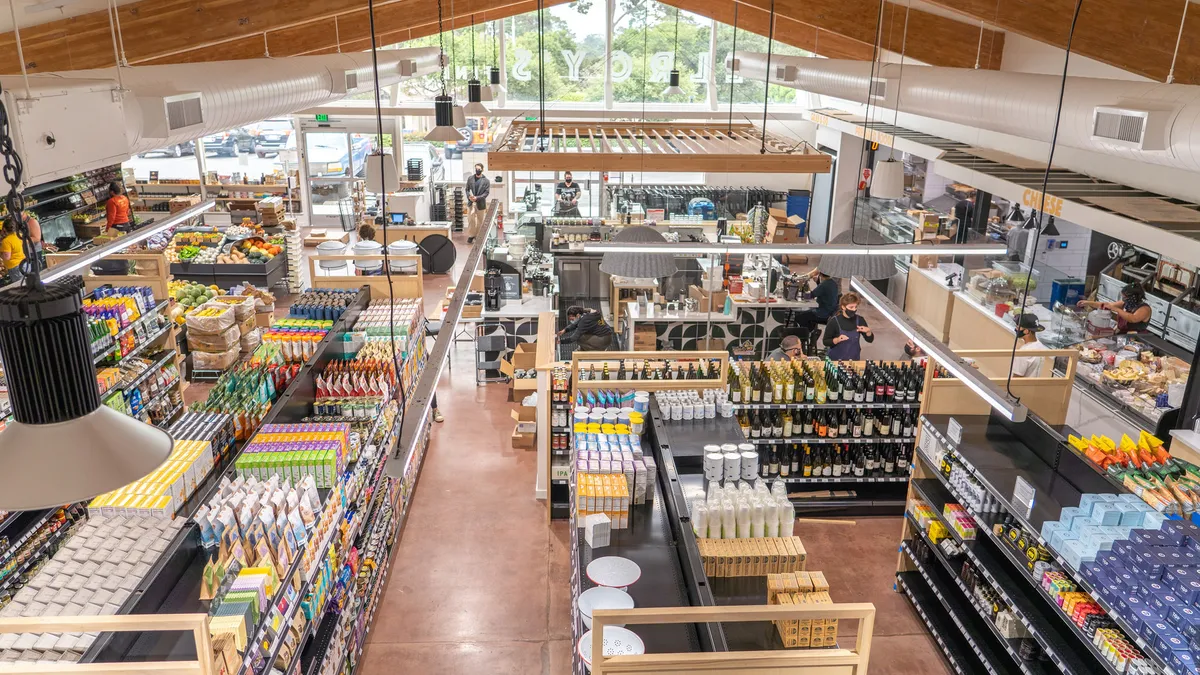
x: 826, y: 294
x: 964, y: 211
x: 566, y: 197
x: 478, y: 189
x: 588, y: 328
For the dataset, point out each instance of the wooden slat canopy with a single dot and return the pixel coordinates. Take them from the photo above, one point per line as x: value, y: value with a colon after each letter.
x: 659, y: 146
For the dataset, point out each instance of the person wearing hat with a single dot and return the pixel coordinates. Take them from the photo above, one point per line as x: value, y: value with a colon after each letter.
x: 1132, y: 311
x: 1028, y: 327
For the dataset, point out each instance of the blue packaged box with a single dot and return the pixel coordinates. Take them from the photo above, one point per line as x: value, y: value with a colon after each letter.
x: 1181, y: 615
x: 1081, y: 522
x: 1173, y: 642
x: 1068, y: 515
x: 1049, y: 528
x: 1141, y: 536
x: 1149, y: 588
x: 1061, y: 539
x: 1140, y: 618
x: 1153, y: 520
x: 1107, y: 513
x: 1087, y: 503
x: 1127, y: 580
x: 1163, y: 602
x: 1151, y: 630
x: 1184, y: 662
x: 1132, y: 518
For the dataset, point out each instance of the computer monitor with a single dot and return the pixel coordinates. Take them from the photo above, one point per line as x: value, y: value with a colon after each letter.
x: 399, y: 218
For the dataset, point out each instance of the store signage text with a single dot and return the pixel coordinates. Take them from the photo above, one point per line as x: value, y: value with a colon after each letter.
x: 1033, y: 199
x: 659, y: 64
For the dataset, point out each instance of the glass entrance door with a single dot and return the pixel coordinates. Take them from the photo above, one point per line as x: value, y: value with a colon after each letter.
x: 331, y: 180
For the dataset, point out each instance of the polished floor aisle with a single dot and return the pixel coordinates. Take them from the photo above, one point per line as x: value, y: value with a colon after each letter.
x: 481, y: 582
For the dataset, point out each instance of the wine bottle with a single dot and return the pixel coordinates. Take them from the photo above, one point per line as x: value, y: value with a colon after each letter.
x: 810, y: 389
x: 821, y: 425
x: 774, y: 467
x: 808, y: 424
x: 843, y: 424
x: 777, y: 425
x: 787, y: 424
x: 808, y: 462
x: 764, y: 464
x: 777, y: 383
x: 837, y: 462
x: 785, y: 461
x: 889, y: 461
x: 847, y: 461
x: 795, y: 459
x: 744, y: 423
x: 910, y: 423
x: 789, y: 389
x: 868, y: 424
x: 860, y: 464
x: 896, y: 426
x: 755, y: 388
x: 734, y: 385
x: 869, y: 388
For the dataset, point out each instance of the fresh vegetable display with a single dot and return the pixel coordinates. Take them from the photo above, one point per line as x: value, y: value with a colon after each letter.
x: 1168, y: 484
x: 191, y: 295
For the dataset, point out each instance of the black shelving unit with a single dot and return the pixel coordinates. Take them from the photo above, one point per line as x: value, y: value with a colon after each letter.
x: 958, y: 653
x: 997, y: 454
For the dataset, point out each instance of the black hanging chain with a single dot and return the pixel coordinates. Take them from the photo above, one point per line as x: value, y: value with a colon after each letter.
x: 14, y: 201
x: 675, y: 53
x: 442, y: 49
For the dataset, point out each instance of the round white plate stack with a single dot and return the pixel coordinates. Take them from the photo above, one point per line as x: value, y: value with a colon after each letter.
x: 614, y: 571
x: 602, y: 597
x: 617, y: 642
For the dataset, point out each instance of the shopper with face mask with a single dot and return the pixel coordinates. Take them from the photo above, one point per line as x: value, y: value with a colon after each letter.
x: 478, y: 189
x: 1028, y: 327
x: 845, y: 330
x: 566, y: 197
x: 1133, y: 312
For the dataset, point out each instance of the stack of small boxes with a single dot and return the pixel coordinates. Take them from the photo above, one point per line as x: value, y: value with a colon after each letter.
x: 752, y: 557
x: 292, y: 451
x: 606, y: 493
x: 802, y: 588
x: 960, y: 520
x: 164, y: 490
x: 93, y: 574
x: 1145, y: 568
x: 616, y: 454
x: 247, y: 600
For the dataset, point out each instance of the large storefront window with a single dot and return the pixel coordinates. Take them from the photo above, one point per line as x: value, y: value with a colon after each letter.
x: 644, y: 53
x: 749, y: 90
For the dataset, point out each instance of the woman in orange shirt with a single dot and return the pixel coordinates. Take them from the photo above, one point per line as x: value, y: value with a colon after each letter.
x: 117, y: 208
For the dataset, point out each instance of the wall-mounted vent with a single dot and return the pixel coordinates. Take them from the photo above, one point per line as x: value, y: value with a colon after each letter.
x: 879, y: 87
x: 408, y: 68
x: 184, y: 113
x: 735, y: 65
x: 1131, y: 127
x: 785, y: 73
x: 351, y: 80
x: 173, y: 114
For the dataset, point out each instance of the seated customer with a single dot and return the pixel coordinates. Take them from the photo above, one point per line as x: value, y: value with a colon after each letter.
x: 789, y: 350
x: 588, y: 328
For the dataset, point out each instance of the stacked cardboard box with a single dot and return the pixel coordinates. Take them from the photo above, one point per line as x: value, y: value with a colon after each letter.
x: 752, y: 557
x: 802, y: 588
x: 271, y: 212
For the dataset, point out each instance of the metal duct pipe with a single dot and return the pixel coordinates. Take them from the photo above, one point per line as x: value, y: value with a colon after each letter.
x: 1020, y: 104
x: 235, y: 93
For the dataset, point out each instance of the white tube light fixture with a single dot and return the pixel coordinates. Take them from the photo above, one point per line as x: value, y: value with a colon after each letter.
x: 86, y: 259
x: 939, y: 352
x: 790, y: 249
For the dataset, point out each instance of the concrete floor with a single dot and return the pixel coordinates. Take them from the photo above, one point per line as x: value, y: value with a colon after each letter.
x: 481, y: 582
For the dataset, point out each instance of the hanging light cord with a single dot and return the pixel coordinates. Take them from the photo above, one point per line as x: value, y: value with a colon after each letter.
x: 1178, y: 40
x: 14, y: 169
x: 441, y: 49
x: 675, y: 53
x: 541, y: 82
x: 862, y: 155
x: 732, y: 63
x: 472, y: 46
x: 382, y: 208
x: 900, y: 79
x: 1062, y: 90
x: 766, y: 80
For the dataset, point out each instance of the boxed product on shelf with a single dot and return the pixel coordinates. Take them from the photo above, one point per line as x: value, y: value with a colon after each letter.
x: 297, y: 338
x: 291, y: 451
x: 754, y: 557
x: 163, y: 491
x: 326, y: 304
x: 802, y: 588
x: 1170, y: 485
x: 606, y: 493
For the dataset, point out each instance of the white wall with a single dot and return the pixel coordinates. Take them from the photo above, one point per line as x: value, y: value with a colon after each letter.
x: 1024, y: 55
x: 1071, y: 261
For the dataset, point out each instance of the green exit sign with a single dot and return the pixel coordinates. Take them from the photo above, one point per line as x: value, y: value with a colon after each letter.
x: 322, y: 117
x: 531, y: 118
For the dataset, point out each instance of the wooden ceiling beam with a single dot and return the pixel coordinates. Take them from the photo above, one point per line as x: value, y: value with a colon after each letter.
x: 183, y: 31
x: 1132, y: 35
x: 845, y: 29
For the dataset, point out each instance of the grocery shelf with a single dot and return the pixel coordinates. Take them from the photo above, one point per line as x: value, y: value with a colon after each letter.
x: 19, y: 526
x: 818, y: 440
x: 150, y: 370
x: 843, y: 479
x: 981, y: 641
x: 825, y: 406
x: 152, y: 314
x: 104, y: 354
x: 55, y: 538
x: 146, y: 343
x: 958, y: 653
x: 166, y: 421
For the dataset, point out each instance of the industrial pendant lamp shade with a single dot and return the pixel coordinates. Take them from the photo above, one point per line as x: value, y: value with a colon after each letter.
x: 494, y: 79
x: 888, y: 180
x: 1050, y: 230
x: 64, y: 446
x: 381, y: 173
x: 641, y: 265
x: 459, y: 117
x: 871, y: 267
x: 475, y: 106
x: 485, y: 93
x: 674, y: 87
x: 444, y: 128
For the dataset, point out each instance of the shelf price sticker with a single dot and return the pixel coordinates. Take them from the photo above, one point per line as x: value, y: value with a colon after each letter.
x: 954, y: 430
x: 1023, y: 495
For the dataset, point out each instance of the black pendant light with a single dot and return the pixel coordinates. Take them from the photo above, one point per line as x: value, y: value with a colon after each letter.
x: 494, y: 79
x: 475, y: 106
x: 443, y: 106
x: 63, y: 446
x: 673, y: 88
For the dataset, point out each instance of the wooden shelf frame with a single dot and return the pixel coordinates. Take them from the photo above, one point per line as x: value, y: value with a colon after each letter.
x: 649, y: 146
x: 668, y: 358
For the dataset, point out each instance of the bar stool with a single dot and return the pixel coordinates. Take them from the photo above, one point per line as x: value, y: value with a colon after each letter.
x: 432, y: 328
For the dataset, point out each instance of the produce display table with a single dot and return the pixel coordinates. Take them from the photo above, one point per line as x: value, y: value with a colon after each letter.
x: 226, y: 276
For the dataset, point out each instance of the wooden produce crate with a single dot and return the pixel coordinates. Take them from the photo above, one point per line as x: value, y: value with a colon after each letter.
x: 151, y: 269
x: 271, y: 211
x: 183, y: 202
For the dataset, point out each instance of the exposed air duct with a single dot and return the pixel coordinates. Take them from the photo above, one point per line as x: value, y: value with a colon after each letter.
x: 171, y: 104
x: 1142, y: 121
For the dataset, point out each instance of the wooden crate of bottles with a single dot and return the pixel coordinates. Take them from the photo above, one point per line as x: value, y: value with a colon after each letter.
x: 854, y: 419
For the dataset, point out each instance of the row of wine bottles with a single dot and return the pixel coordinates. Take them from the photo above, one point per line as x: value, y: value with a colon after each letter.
x: 642, y: 369
x: 844, y: 423
x: 869, y: 460
x: 812, y: 381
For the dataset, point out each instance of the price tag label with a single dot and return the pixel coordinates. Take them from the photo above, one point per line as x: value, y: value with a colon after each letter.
x: 1023, y: 495
x: 954, y: 430
x: 929, y: 444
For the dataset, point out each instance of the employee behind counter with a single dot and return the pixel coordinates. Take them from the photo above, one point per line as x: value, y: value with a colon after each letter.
x: 588, y: 328
x: 566, y: 197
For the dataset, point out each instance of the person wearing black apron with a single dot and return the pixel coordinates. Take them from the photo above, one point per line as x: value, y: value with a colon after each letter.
x: 845, y: 331
x: 1132, y: 310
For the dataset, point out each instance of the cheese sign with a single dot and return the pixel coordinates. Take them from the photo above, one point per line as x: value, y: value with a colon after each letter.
x: 819, y: 118
x: 1033, y: 199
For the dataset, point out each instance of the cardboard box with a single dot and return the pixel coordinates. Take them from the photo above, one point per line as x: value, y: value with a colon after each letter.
x: 929, y: 261
x: 523, y: 358
x: 701, y: 297
x: 264, y: 319
x: 522, y: 441
x: 645, y: 338
x: 319, y: 236
x: 526, y: 419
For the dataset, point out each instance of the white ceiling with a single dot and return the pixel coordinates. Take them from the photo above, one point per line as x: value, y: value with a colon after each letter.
x: 34, y: 12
